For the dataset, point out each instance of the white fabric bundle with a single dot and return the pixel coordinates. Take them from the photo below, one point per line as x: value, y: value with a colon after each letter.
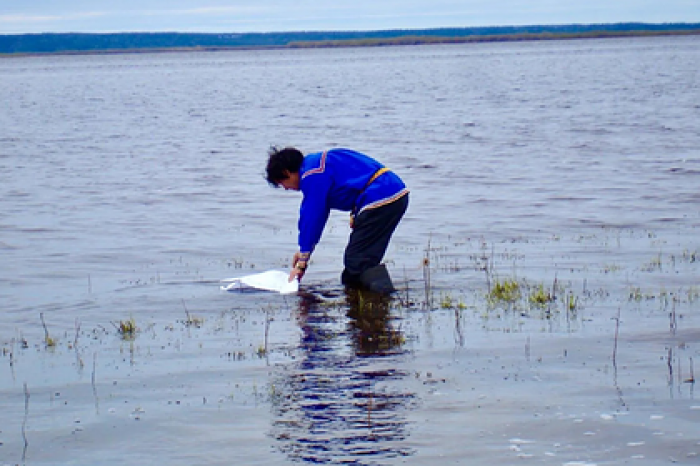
x: 272, y: 280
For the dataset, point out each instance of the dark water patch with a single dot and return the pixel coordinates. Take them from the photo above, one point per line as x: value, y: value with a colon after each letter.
x: 572, y: 198
x: 17, y: 194
x: 34, y: 230
x: 667, y: 219
x: 683, y: 171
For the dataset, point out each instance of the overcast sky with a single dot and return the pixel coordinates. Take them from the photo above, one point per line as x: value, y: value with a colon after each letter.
x: 30, y: 16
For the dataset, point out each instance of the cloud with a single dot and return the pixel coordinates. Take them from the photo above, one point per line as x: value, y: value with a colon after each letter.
x: 21, y: 18
x: 212, y: 10
x: 285, y: 15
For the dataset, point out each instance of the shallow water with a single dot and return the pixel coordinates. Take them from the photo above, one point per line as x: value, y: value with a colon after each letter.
x: 129, y: 185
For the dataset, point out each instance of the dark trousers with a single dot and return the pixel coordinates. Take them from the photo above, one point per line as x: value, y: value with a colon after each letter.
x: 370, y: 238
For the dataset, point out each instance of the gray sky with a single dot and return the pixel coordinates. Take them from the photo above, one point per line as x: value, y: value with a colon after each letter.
x: 30, y: 16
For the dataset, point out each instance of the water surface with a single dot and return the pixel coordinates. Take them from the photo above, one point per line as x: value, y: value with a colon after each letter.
x: 131, y: 184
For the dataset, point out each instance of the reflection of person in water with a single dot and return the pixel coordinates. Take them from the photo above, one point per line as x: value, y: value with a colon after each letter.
x: 338, y: 404
x: 370, y: 321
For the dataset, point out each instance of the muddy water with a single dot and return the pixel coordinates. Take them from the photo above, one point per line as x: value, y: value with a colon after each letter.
x: 129, y: 185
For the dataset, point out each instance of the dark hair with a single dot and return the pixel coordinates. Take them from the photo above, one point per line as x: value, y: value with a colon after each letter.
x: 281, y: 160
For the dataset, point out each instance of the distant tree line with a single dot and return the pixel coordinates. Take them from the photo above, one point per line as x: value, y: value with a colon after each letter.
x: 417, y: 40
x: 143, y: 41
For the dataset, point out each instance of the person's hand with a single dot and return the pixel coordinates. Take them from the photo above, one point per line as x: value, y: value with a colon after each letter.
x: 299, y: 264
x: 296, y: 273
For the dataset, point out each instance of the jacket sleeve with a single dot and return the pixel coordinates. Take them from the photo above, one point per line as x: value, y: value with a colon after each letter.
x: 314, y: 210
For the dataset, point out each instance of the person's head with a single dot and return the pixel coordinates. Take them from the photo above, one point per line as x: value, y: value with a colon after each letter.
x: 283, y: 167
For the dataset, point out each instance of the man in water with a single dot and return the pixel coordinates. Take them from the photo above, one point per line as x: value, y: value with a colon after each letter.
x: 346, y: 180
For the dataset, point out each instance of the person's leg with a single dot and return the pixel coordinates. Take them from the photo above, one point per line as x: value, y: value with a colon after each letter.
x: 370, y: 238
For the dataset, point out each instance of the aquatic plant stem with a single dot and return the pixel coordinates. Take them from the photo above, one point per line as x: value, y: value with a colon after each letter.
x: 673, y: 323
x: 692, y: 373
x: 268, y: 320
x: 77, y: 332
x: 614, y: 361
x: 488, y: 265
x: 47, y: 337
x: 24, y: 422
x: 405, y: 278
x: 94, y: 387
x: 426, y: 277
x: 187, y: 312
x: 617, y: 334
x: 75, y: 344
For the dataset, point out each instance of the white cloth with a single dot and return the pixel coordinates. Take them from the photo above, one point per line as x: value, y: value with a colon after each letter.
x: 272, y: 280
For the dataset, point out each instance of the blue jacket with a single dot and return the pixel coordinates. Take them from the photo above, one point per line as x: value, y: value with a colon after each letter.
x: 337, y: 179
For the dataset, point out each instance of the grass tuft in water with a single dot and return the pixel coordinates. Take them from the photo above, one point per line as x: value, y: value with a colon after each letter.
x: 571, y: 302
x: 636, y: 294
x: 448, y: 302
x: 48, y: 339
x: 127, y: 329
x: 540, y: 297
x: 506, y: 291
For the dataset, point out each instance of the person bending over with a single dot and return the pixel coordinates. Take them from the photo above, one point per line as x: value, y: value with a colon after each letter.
x: 350, y: 181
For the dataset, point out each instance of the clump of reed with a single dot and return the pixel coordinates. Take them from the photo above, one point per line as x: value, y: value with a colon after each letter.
x: 540, y: 297
x: 571, y: 302
x: 127, y: 329
x: 518, y: 294
x: 49, y: 341
x: 506, y: 291
x: 192, y: 321
x: 448, y: 302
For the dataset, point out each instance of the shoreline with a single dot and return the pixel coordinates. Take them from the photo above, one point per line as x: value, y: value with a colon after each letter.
x: 407, y: 40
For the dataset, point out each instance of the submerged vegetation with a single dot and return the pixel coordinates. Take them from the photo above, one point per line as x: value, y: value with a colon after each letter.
x: 494, y: 297
x: 497, y: 296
